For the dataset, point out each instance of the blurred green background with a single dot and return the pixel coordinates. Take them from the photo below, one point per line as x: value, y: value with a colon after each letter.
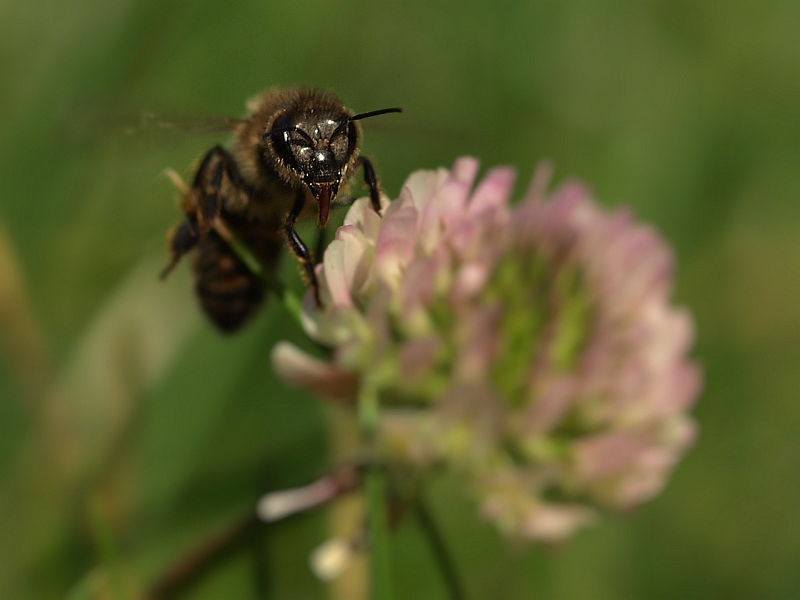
x: 130, y: 430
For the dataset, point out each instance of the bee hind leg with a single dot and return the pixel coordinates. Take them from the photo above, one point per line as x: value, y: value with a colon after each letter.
x: 182, y: 239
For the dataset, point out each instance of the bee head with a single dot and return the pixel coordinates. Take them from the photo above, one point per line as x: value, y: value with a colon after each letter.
x: 317, y: 144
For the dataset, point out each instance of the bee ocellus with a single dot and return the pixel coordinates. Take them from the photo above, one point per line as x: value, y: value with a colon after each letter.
x: 296, y: 146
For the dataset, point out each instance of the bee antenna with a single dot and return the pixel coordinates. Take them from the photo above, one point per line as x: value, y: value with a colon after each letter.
x: 375, y: 113
x: 366, y: 115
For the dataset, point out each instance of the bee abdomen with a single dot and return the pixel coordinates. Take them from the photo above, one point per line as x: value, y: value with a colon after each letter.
x: 229, y: 292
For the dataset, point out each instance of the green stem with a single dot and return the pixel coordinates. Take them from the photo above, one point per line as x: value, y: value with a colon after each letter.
x: 202, y: 558
x: 292, y: 304
x: 443, y: 559
x: 375, y: 491
x: 240, y: 249
x: 107, y: 547
x: 380, y: 549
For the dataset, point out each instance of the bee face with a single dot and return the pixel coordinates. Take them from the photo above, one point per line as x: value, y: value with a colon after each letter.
x: 316, y: 145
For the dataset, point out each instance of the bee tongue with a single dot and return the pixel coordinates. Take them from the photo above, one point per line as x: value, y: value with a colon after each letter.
x: 324, y: 200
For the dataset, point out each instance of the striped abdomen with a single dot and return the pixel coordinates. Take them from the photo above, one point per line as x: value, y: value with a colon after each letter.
x: 229, y: 292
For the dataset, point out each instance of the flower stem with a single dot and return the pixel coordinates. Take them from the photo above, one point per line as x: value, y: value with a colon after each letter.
x: 107, y: 547
x: 443, y: 558
x: 380, y: 550
x: 202, y: 558
x: 375, y: 492
x: 292, y: 304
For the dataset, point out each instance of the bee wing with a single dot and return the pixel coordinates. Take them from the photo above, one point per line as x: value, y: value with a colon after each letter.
x: 145, y: 129
x: 188, y: 124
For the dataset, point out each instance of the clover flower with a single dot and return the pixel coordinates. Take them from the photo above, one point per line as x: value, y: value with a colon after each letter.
x: 531, y: 347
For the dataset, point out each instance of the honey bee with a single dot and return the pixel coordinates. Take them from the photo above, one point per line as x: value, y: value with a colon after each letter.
x: 296, y: 146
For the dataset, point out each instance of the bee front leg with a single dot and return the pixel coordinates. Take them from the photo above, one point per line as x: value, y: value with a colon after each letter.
x: 372, y: 182
x: 298, y: 247
x: 321, y: 243
x: 181, y: 240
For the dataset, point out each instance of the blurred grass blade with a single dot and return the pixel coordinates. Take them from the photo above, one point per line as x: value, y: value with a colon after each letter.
x: 20, y: 332
x: 123, y: 353
x: 89, y: 587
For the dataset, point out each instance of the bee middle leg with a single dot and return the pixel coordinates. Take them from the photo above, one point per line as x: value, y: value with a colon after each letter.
x: 299, y: 247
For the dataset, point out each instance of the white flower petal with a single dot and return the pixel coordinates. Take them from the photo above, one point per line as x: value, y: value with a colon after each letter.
x: 303, y: 370
x: 556, y: 522
x: 336, y: 281
x: 447, y: 205
x: 422, y: 185
x: 356, y: 257
x: 395, y: 245
x: 361, y: 215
